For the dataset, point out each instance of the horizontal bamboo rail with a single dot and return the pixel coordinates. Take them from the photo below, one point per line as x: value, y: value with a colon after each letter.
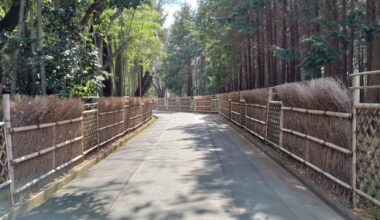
x: 365, y: 195
x: 45, y: 125
x: 110, y: 126
x: 367, y: 105
x: 366, y: 87
x: 256, y: 105
x: 365, y: 73
x: 45, y: 151
x: 255, y: 120
x: 5, y: 184
x: 319, y: 112
x: 236, y: 113
x: 319, y: 141
x: 90, y: 111
x: 137, y: 116
x: 312, y: 166
x: 254, y: 133
x: 110, y: 112
x: 33, y: 182
x: 90, y: 149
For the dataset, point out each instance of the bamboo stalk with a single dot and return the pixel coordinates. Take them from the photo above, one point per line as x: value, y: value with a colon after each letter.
x: 8, y: 142
x: 236, y: 113
x: 256, y: 105
x: 255, y: 120
x: 365, y: 195
x: 319, y: 112
x: 365, y: 73
x: 90, y: 111
x: 366, y: 87
x: 312, y: 166
x: 110, y: 126
x: 45, y: 125
x: 254, y: 133
x: 33, y: 182
x: 89, y: 150
x: 5, y: 184
x: 319, y: 141
x: 45, y: 151
x: 366, y: 105
x: 110, y: 112
x: 356, y: 100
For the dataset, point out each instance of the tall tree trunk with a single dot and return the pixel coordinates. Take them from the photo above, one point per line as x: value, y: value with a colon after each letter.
x: 189, y: 79
x: 373, y: 95
x: 40, y: 45
x: 33, y: 67
x: 17, y: 50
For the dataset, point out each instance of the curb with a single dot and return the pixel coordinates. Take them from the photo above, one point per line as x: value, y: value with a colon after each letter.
x: 41, y: 197
x: 334, y: 204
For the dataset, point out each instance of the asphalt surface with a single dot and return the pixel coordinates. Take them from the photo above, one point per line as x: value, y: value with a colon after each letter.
x: 186, y: 166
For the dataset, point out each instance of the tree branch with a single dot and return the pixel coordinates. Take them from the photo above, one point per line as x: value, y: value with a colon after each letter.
x: 120, y: 50
x: 9, y: 23
x: 116, y: 14
x: 97, y: 5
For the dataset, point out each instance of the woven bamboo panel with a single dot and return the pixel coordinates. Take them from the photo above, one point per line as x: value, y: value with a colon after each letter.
x: 3, y: 157
x: 368, y: 152
x: 274, y: 122
x: 90, y: 129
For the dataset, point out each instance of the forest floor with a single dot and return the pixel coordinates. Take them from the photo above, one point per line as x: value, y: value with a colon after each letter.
x: 186, y: 166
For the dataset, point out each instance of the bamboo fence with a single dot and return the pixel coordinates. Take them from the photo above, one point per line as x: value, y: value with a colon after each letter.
x: 39, y: 152
x: 172, y: 104
x: 366, y: 146
x: 184, y: 104
x: 202, y: 104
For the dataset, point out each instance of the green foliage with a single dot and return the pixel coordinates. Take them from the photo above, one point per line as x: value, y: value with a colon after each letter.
x: 70, y: 59
x: 181, y: 50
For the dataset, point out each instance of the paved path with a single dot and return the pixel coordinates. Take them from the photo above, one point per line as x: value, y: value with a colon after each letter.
x: 185, y: 166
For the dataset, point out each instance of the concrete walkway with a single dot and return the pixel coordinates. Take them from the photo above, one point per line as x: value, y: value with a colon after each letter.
x: 186, y: 166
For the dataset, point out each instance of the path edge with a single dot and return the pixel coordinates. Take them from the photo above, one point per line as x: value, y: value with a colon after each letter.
x: 49, y: 190
x: 334, y: 204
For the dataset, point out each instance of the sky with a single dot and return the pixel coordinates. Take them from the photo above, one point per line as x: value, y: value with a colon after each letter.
x: 171, y: 9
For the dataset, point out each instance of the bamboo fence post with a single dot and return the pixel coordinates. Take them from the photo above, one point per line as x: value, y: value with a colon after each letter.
x: 8, y: 142
x: 356, y: 100
x: 270, y: 97
x: 229, y: 108
x: 194, y: 104
x: 97, y: 128
x: 281, y: 126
